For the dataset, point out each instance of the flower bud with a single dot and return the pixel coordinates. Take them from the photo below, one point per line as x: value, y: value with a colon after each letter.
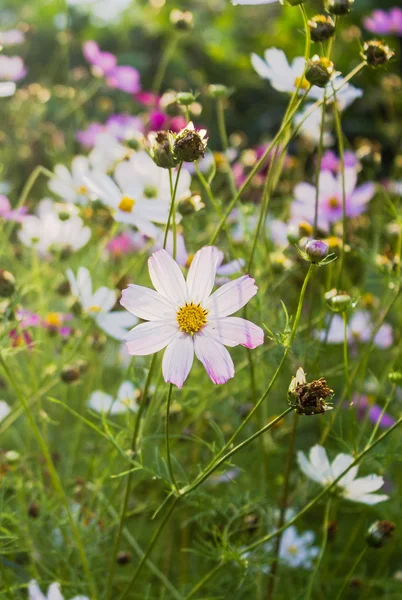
x: 7, y: 284
x: 376, y: 53
x: 190, y: 144
x: 379, y: 533
x: 12, y: 456
x: 309, y: 398
x: 338, y: 302
x: 395, y: 376
x: 185, y: 98
x: 161, y: 149
x: 70, y: 374
x: 183, y: 21
x: 339, y: 7
x: 124, y: 558
x: 33, y: 510
x: 190, y: 205
x: 319, y: 71
x: 218, y: 90
x: 322, y: 27
x: 316, y: 251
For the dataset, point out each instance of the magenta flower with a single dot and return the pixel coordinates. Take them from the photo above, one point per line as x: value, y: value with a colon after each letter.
x: 124, y: 78
x: 87, y: 137
x: 382, y: 22
x: 330, y: 198
x: 372, y: 411
x: 331, y: 162
x: 186, y: 319
x: 8, y: 214
x: 126, y: 242
x: 12, y: 68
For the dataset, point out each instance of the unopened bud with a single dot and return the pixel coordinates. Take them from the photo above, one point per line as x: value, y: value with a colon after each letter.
x: 7, y: 284
x: 322, y: 27
x: 161, y: 149
x: 185, y: 98
x: 190, y: 144
x: 319, y: 70
x: 379, y: 533
x: 183, y: 21
x: 33, y: 510
x: 124, y: 558
x: 190, y: 205
x: 70, y: 374
x: 338, y: 302
x: 316, y: 251
x: 12, y: 456
x: 218, y: 90
x: 376, y: 53
x: 339, y: 7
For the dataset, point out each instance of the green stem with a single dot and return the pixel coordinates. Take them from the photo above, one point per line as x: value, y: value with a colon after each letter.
x: 380, y: 418
x: 57, y: 486
x: 345, y: 352
x: 169, y: 460
x: 127, y: 493
x: 172, y: 212
x: 205, y: 580
x: 164, y: 61
x: 318, y: 166
x: 6, y: 585
x: 225, y: 144
x: 352, y: 570
x: 322, y: 552
x: 341, y: 150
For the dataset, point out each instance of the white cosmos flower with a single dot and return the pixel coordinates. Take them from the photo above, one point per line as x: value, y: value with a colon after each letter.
x: 70, y: 185
x: 318, y: 468
x: 7, y: 88
x: 53, y: 592
x: 125, y: 400
x: 107, y: 152
x: 186, y: 319
x: 128, y: 198
x: 310, y: 126
x: 55, y: 226
x: 99, y: 305
x: 296, y: 550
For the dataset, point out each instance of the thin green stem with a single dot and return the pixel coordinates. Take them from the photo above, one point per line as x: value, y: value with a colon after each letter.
x: 345, y: 352
x: 341, y: 150
x: 172, y: 211
x: 352, y: 570
x: 322, y: 551
x: 225, y: 144
x: 167, y: 422
x: 380, y: 418
x: 318, y: 165
x: 6, y: 584
x: 205, y: 580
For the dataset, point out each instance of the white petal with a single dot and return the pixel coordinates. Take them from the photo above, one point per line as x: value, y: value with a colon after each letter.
x: 100, y: 402
x: 167, y: 277
x: 340, y: 464
x: 126, y: 391
x: 231, y: 331
x: 308, y: 468
x: 4, y: 409
x: 319, y: 460
x: 147, y: 304
x: 202, y: 272
x: 364, y: 485
x: 104, y: 298
x: 369, y: 498
x: 178, y: 359
x: 54, y: 592
x: 34, y: 592
x: 215, y: 358
x: 148, y: 338
x: 116, y: 323
x: 231, y: 297
x: 104, y: 188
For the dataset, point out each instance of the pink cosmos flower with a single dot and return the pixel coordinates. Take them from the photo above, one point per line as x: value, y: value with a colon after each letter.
x: 126, y: 242
x: 186, y: 319
x: 12, y: 68
x: 330, y: 198
x: 382, y: 22
x: 372, y: 411
x: 359, y: 329
x: 124, y: 78
x: 331, y: 162
x: 8, y: 214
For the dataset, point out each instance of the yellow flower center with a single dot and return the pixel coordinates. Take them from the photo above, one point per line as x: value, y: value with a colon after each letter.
x: 302, y: 83
x: 191, y: 317
x: 94, y: 309
x: 82, y: 190
x: 53, y: 319
x: 333, y: 202
x: 189, y: 260
x: 292, y: 550
x: 127, y: 204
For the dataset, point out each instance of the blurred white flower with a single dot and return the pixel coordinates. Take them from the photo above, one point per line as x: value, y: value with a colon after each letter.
x: 318, y: 468
x: 70, y: 185
x: 125, y: 400
x: 359, y: 329
x: 107, y: 152
x: 12, y: 68
x: 4, y: 409
x: 99, y: 304
x: 282, y: 75
x: 104, y: 10
x: 12, y: 37
x: 53, y: 592
x: 7, y: 88
x: 310, y: 126
x: 297, y: 550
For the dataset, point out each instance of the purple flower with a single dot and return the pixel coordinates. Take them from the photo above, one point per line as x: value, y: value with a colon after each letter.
x: 124, y: 127
x: 331, y: 162
x: 360, y: 329
x: 87, y: 137
x: 330, y: 198
x: 124, y: 78
x: 372, y: 411
x: 8, y: 214
x: 104, y: 62
x: 385, y: 23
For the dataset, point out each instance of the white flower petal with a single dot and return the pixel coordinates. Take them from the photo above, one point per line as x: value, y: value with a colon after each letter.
x: 147, y: 304
x: 178, y: 359
x: 116, y: 323
x: 340, y: 464
x: 202, y: 272
x: 54, y: 593
x: 370, y: 499
x: 167, y: 277
x: 319, y: 461
x: 231, y: 297
x: 104, y: 298
x: 231, y: 331
x: 148, y: 338
x: 34, y: 592
x: 308, y: 468
x: 215, y: 358
x: 364, y: 485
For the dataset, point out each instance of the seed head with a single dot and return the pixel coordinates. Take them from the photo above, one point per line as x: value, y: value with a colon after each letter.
x: 190, y: 144
x: 161, y: 149
x: 322, y: 27
x: 339, y: 7
x: 379, y: 533
x: 375, y: 53
x: 319, y: 70
x: 338, y: 302
x: 309, y: 398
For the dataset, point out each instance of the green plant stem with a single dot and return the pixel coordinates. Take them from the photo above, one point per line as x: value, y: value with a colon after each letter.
x: 341, y: 150
x: 318, y: 166
x: 282, y: 508
x: 169, y: 460
x: 172, y: 212
x: 205, y: 580
x: 380, y: 418
x: 322, y: 551
x: 127, y: 493
x: 6, y: 584
x: 345, y: 352
x: 225, y: 144
x: 352, y: 570
x: 164, y: 62
x: 56, y: 483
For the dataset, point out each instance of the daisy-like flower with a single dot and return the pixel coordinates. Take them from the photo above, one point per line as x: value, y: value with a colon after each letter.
x: 53, y: 592
x: 186, y: 319
x: 310, y: 126
x: 282, y: 75
x: 12, y: 68
x: 107, y: 151
x: 330, y: 198
x: 359, y: 329
x: 70, y: 185
x: 318, y: 468
x: 99, y: 304
x: 297, y: 551
x: 124, y: 401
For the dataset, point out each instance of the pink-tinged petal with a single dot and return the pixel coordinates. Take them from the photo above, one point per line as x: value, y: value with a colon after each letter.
x: 215, y: 358
x: 350, y: 180
x: 148, y: 338
x: 360, y: 198
x: 167, y: 277
x: 147, y: 304
x: 231, y: 297
x: 178, y: 359
x: 202, y: 272
x: 232, y: 331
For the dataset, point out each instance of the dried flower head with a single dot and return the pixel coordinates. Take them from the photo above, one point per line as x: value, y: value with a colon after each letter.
x: 190, y: 144
x: 322, y: 27
x: 379, y: 533
x: 376, y: 53
x: 319, y: 70
x: 339, y: 7
x: 182, y: 20
x: 309, y: 398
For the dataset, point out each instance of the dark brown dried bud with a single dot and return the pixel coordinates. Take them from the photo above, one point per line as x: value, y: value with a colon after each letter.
x: 70, y: 374
x: 161, y: 149
x: 124, y: 558
x: 376, y: 53
x: 379, y: 533
x: 190, y: 144
x: 339, y: 7
x: 309, y: 398
x: 33, y: 510
x: 322, y: 27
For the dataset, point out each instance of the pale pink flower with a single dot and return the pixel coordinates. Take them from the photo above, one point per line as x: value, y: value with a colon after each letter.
x: 12, y: 68
x: 186, y: 319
